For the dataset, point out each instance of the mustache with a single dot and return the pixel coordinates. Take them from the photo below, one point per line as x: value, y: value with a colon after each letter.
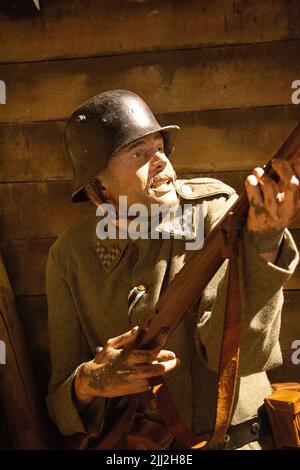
x: 165, y: 176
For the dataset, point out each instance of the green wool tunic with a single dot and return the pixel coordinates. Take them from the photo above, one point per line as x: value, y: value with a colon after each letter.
x: 88, y: 282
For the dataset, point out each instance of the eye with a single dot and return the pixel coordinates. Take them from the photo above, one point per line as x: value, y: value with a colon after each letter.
x: 139, y: 154
x: 160, y: 148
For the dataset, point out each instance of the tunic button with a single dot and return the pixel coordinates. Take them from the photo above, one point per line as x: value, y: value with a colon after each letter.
x: 186, y: 189
x: 141, y: 287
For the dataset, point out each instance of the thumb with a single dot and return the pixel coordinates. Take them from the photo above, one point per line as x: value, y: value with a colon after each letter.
x: 124, y: 339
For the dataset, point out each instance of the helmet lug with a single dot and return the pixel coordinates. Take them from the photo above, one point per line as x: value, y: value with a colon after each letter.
x: 81, y: 118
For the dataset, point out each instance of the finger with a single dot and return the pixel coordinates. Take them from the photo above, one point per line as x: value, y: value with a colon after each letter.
x: 270, y: 190
x: 124, y: 339
x: 98, y: 355
x: 98, y: 350
x: 283, y: 169
x: 165, y: 355
x: 138, y: 386
x: 292, y: 194
x: 138, y: 356
x: 258, y: 172
x: 295, y: 163
x: 155, y: 369
x: 253, y: 191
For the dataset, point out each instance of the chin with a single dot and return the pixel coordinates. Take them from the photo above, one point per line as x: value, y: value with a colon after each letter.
x: 170, y: 198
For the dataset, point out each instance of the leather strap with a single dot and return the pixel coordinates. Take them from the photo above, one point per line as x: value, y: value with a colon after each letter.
x: 112, y: 438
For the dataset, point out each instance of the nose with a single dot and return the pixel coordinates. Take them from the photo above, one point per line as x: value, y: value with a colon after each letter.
x: 158, y: 161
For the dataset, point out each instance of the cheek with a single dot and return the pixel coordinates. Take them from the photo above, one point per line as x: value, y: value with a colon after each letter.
x: 141, y: 177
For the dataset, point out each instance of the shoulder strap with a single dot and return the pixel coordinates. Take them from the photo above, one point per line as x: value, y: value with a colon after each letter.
x: 200, y: 188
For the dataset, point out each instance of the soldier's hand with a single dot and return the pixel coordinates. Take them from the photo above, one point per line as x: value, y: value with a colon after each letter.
x: 273, y: 205
x: 116, y: 371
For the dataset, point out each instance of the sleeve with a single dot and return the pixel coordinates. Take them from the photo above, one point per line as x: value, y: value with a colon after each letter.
x: 68, y: 350
x: 261, y: 297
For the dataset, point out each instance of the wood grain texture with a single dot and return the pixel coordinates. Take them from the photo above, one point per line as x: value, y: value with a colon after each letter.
x: 174, y: 81
x: 32, y: 310
x: 71, y: 29
x: 25, y: 262
x: 228, y: 140
x: 39, y: 210
x: 22, y: 406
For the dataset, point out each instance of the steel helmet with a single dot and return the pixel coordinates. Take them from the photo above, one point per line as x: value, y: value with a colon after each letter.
x: 102, y: 126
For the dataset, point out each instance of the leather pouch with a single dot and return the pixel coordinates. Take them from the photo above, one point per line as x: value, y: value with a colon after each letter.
x: 145, y: 434
x: 283, y: 408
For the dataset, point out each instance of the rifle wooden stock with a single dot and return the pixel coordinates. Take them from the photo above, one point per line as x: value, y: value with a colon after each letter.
x: 190, y: 281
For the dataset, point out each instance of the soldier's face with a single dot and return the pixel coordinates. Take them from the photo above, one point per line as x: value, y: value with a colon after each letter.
x: 142, y: 172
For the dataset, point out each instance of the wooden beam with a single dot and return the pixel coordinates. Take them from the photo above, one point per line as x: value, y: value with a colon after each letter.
x: 32, y: 310
x: 26, y: 264
x: 218, y: 140
x: 175, y: 81
x: 83, y: 28
x: 39, y: 210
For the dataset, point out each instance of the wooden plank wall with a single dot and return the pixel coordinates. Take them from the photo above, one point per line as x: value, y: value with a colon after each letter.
x: 220, y: 69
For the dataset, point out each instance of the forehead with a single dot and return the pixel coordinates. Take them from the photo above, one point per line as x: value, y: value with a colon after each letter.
x: 155, y: 138
x: 145, y: 140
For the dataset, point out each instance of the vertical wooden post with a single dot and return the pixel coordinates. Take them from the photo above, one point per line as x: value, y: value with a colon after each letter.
x: 21, y: 404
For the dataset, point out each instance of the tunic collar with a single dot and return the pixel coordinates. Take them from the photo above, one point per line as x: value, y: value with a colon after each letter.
x: 110, y: 251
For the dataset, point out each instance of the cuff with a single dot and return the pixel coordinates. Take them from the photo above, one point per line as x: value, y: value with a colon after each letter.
x: 65, y: 413
x: 278, y: 273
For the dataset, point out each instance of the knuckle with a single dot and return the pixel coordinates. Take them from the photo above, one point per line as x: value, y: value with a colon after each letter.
x: 293, y: 183
x: 110, y: 342
x: 269, y: 201
x: 159, y: 368
x: 258, y: 171
x: 98, y: 349
x: 143, y: 355
x: 251, y: 180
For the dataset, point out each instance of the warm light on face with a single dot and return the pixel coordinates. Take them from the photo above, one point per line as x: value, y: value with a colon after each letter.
x: 141, y: 172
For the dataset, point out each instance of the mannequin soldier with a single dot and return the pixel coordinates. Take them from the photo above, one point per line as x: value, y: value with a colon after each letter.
x: 100, y: 290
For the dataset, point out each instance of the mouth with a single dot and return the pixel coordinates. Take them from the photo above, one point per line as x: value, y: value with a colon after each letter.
x: 161, y: 184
